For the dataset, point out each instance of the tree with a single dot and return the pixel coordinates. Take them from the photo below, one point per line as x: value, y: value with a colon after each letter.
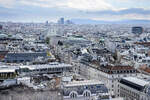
x: 47, y: 40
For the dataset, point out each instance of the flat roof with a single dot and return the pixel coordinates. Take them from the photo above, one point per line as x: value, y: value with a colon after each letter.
x: 137, y: 81
x: 7, y: 70
x: 80, y: 83
x: 51, y: 65
x: 117, y: 98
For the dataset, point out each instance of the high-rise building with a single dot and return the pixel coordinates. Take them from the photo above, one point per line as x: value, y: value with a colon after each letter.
x: 61, y: 21
x: 46, y: 23
x: 1, y: 27
x: 137, y: 30
x: 68, y: 22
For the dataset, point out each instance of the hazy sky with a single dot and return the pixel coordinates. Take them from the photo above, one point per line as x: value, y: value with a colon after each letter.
x: 42, y: 10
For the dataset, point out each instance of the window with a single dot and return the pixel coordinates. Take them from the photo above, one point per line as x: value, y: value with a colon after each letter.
x: 49, y: 69
x: 112, y: 86
x: 87, y: 94
x: 73, y: 95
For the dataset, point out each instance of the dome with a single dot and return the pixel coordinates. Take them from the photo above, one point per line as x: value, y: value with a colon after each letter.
x: 3, y: 36
x: 17, y: 36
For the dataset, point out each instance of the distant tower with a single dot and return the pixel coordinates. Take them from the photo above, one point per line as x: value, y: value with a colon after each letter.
x: 137, y: 30
x: 61, y: 21
x: 46, y: 23
x: 1, y: 27
x: 69, y: 22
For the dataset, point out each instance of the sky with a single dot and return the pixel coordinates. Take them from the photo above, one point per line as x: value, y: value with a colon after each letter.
x: 52, y: 10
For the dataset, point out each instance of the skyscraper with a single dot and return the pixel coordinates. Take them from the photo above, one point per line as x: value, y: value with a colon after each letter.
x: 46, y: 23
x: 1, y: 27
x: 137, y: 30
x: 61, y: 21
x: 68, y: 22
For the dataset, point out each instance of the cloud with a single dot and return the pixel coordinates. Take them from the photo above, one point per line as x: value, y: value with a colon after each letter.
x: 43, y: 14
x: 122, y: 17
x: 126, y: 4
x: 122, y: 12
x: 91, y: 9
x: 84, y: 5
x: 43, y: 3
x: 91, y: 5
x: 7, y: 3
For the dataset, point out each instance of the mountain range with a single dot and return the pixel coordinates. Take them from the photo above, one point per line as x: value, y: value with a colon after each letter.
x: 90, y: 21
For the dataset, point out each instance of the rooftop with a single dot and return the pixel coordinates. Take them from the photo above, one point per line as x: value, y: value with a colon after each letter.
x: 143, y: 43
x: 137, y: 81
x: 51, y: 65
x: 7, y: 69
x: 145, y: 69
x: 117, y: 69
x: 121, y: 67
x: 85, y: 82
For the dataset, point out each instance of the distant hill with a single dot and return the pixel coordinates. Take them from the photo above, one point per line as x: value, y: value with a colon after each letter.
x: 90, y: 21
